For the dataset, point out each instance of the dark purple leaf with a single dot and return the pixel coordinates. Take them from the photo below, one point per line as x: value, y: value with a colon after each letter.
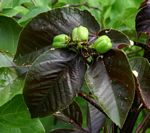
x: 96, y: 119
x: 142, y: 67
x: 68, y: 120
x: 146, y: 49
x: 52, y: 81
x: 37, y: 36
x: 74, y: 113
x: 133, y: 113
x: 111, y: 80
x: 143, y: 21
x: 118, y: 39
x: 145, y: 3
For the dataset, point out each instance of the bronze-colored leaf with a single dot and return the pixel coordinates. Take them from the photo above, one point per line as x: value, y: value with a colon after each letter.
x: 111, y: 80
x: 142, y: 67
x: 53, y: 81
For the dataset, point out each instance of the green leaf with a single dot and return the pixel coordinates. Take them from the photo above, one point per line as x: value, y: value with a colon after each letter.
x: 9, y: 3
x: 111, y: 80
x: 10, y: 84
x: 41, y: 2
x: 147, y: 130
x: 53, y: 81
x: 141, y: 66
x: 32, y: 13
x: 134, y: 51
x: 6, y: 60
x: 45, y: 26
x: 5, y: 4
x: 18, y: 10
x: 15, y: 118
x: 9, y: 34
x: 64, y: 131
x: 129, y: 22
x: 71, y: 1
x: 106, y: 2
x: 49, y: 123
x: 119, y: 14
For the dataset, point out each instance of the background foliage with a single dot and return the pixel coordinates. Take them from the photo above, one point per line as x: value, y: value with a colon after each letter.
x: 14, y: 16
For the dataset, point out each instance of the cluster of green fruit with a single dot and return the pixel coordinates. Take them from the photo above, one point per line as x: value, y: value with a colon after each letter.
x: 80, y: 35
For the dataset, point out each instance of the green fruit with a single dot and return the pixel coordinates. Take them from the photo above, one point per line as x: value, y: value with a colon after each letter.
x: 83, y: 33
x: 60, y: 41
x: 102, y: 44
x: 59, y: 45
x: 80, y: 34
x: 75, y: 34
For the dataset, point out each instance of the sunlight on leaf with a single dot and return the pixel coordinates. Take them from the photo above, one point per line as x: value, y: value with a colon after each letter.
x: 10, y: 84
x: 6, y: 60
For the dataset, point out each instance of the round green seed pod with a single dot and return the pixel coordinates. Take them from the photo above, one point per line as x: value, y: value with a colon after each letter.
x: 103, y: 44
x: 80, y: 34
x: 60, y: 41
x: 75, y: 34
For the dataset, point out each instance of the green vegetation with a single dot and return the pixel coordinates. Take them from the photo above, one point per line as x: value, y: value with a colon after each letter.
x: 74, y: 66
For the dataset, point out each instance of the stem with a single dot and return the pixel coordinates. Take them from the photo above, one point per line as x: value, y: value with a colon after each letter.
x: 91, y: 101
x: 144, y: 46
x: 69, y: 120
x: 132, y: 115
x: 114, y: 128
x: 105, y: 129
x: 130, y: 122
x: 142, y: 123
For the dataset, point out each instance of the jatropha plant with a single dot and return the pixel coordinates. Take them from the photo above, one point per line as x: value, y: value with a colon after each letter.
x: 68, y: 55
x: 80, y: 41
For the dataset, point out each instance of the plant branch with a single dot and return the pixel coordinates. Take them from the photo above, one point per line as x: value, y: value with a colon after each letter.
x: 114, y: 128
x: 146, y: 118
x: 132, y: 115
x: 91, y: 101
x: 144, y: 46
x: 69, y: 120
